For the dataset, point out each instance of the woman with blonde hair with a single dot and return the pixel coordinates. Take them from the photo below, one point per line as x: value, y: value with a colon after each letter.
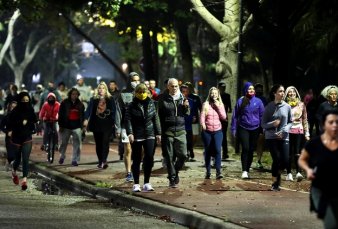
x: 212, y: 114
x: 298, y: 131
x: 100, y: 119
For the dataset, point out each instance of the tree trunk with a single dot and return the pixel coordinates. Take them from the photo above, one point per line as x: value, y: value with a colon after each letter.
x: 18, y: 74
x: 185, y: 48
x: 147, y: 54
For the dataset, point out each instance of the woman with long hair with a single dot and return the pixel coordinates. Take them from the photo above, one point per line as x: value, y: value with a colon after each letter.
x: 319, y: 159
x: 299, y: 130
x: 276, y: 123
x: 245, y: 123
x: 100, y: 119
x: 212, y: 114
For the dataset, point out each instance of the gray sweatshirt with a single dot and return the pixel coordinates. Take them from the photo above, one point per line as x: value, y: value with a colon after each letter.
x: 273, y: 111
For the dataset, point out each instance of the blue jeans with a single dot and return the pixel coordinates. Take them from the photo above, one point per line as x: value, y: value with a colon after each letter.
x: 77, y: 142
x: 23, y: 152
x: 212, y: 142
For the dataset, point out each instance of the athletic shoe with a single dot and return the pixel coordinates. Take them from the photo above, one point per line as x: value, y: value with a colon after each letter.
x: 219, y: 176
x: 74, y: 163
x: 259, y: 165
x: 289, y: 177
x: 177, y: 179
x: 275, y: 187
x: 15, y: 178
x: 24, y: 185
x: 207, y: 176
x: 299, y: 176
x: 245, y: 175
x: 136, y: 188
x: 147, y: 187
x: 129, y: 177
x: 104, y: 165
x: 172, y: 184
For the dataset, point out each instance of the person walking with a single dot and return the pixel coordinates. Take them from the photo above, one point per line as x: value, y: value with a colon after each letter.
x: 100, y: 119
x: 319, y: 159
x: 21, y: 126
x: 330, y: 93
x: 126, y: 96
x: 245, y: 123
x: 226, y: 99
x: 172, y: 107
x: 71, y: 117
x: 276, y: 122
x: 49, y: 114
x: 8, y: 141
x: 299, y: 130
x: 212, y: 115
x: 143, y: 128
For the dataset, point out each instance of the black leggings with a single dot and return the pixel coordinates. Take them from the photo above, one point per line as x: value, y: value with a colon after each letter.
x: 295, y: 148
x: 102, y: 140
x: 148, y: 159
x: 279, y: 150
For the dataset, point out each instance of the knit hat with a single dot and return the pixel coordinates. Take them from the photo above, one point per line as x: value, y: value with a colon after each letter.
x: 246, y: 87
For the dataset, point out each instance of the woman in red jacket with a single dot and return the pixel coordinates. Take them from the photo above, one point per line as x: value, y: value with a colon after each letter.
x: 49, y: 115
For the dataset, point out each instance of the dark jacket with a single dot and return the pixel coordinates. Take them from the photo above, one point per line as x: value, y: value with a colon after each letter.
x: 64, y: 114
x: 103, y: 122
x: 172, y: 114
x: 142, y: 120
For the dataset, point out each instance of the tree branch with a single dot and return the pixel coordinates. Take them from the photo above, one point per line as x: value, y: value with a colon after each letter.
x: 10, y: 36
x: 217, y: 25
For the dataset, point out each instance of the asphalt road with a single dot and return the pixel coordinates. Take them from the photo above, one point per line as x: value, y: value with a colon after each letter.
x: 33, y: 209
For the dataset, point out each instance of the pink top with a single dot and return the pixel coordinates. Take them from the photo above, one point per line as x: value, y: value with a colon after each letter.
x: 211, y: 116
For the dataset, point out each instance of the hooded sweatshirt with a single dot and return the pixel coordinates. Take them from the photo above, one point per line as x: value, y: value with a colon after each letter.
x: 273, y: 111
x: 49, y: 112
x: 248, y: 117
x: 299, y: 114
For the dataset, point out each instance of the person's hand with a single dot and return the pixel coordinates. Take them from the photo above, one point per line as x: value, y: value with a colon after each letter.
x: 307, y: 138
x: 24, y: 122
x: 233, y: 133
x: 204, y: 127
x: 193, y: 119
x: 131, y: 138
x: 10, y: 134
x: 118, y: 135
x: 85, y: 123
x: 310, y: 174
x: 158, y: 139
x: 186, y: 102
x: 276, y: 123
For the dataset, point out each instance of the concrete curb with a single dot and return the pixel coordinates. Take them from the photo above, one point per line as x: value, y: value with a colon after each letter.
x: 178, y: 215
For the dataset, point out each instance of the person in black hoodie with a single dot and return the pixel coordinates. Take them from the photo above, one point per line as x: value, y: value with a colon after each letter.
x: 21, y: 126
x: 4, y: 128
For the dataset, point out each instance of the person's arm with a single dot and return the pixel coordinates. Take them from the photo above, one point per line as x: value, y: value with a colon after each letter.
x: 303, y: 162
x: 202, y: 116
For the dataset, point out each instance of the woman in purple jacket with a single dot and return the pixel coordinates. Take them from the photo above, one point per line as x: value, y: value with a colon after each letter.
x: 245, y: 123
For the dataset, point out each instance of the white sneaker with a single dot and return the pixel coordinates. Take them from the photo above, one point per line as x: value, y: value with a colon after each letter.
x: 147, y: 187
x: 136, y: 188
x: 289, y: 177
x: 245, y: 175
x: 299, y: 176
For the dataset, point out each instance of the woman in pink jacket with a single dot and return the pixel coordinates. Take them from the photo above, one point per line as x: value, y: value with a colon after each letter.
x: 211, y: 115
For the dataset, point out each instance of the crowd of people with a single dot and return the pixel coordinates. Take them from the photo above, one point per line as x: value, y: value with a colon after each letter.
x: 142, y: 117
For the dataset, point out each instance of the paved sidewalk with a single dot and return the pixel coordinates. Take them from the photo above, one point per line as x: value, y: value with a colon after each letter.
x: 197, y: 203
